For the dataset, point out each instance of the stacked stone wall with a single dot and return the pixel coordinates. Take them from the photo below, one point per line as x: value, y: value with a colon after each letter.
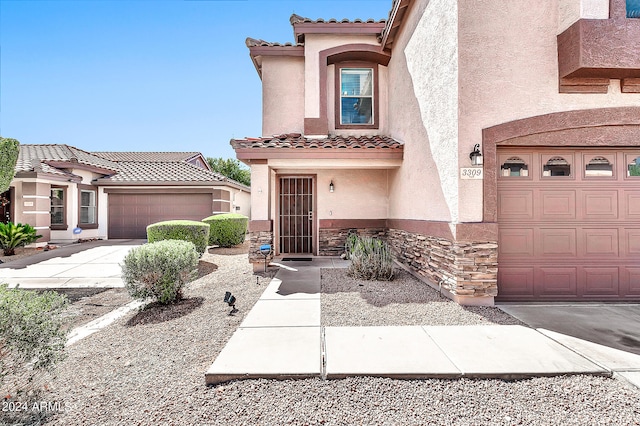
x: 331, y: 241
x: 256, y: 239
x: 462, y: 268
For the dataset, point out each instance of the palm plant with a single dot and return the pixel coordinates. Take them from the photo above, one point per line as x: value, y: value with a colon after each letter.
x: 14, y: 235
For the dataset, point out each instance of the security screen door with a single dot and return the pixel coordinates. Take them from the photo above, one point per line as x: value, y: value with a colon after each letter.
x: 296, y: 214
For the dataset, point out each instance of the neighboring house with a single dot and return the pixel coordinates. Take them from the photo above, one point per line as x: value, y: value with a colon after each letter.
x: 68, y: 193
x: 370, y: 126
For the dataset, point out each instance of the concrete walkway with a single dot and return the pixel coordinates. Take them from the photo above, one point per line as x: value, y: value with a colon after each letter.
x: 282, y: 337
x: 91, y: 264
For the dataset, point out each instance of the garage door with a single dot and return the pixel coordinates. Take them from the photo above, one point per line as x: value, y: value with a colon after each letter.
x: 569, y: 224
x: 129, y: 214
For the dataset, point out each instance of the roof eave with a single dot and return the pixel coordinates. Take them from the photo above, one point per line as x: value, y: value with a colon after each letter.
x: 76, y: 165
x: 318, y: 153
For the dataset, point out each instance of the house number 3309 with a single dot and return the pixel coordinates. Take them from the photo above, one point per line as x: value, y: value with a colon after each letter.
x: 471, y: 173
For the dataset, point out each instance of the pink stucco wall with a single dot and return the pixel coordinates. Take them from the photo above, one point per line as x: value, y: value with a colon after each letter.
x: 282, y: 95
x: 508, y: 70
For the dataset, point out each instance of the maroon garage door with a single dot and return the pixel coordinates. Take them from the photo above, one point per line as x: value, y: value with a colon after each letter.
x: 129, y: 214
x: 569, y: 224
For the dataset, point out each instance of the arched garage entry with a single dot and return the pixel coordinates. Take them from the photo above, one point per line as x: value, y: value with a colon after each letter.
x: 565, y: 191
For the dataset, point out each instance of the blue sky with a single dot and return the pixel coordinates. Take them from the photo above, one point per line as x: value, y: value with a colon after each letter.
x: 143, y: 75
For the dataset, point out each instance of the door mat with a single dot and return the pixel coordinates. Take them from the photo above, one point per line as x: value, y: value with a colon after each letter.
x: 297, y: 259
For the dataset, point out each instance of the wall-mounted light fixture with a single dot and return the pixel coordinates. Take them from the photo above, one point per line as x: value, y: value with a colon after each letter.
x: 476, y: 155
x: 331, y: 187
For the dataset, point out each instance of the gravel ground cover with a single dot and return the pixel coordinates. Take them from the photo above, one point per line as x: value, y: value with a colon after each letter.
x: 405, y: 300
x: 153, y: 374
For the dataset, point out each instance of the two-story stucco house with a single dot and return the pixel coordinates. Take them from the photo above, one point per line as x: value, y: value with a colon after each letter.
x: 372, y: 125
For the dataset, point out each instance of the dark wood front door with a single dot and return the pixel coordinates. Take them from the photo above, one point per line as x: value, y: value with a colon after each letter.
x: 295, y: 206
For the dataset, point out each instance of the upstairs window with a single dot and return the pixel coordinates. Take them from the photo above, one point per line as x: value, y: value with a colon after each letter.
x: 633, y: 8
x: 356, y: 96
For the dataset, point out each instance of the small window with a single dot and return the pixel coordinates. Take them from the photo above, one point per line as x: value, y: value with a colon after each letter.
x: 633, y: 8
x: 515, y: 166
x: 57, y: 207
x: 598, y: 166
x: 633, y: 168
x: 87, y: 207
x: 356, y: 96
x: 557, y: 166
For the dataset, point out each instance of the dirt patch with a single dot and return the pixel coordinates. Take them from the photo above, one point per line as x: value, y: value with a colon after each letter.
x: 155, y: 313
x: 205, y: 268
x: 88, y: 304
x: 21, y: 253
x: 231, y: 251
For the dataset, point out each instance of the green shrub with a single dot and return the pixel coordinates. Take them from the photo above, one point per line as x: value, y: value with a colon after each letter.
x: 185, y: 230
x: 228, y: 229
x: 14, y: 235
x: 370, y: 259
x: 32, y: 336
x: 160, y: 270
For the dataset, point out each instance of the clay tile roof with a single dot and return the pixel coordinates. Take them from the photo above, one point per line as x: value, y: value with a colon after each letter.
x: 297, y: 141
x: 162, y: 171
x: 147, y: 156
x: 37, y: 157
x: 254, y: 42
x: 297, y: 19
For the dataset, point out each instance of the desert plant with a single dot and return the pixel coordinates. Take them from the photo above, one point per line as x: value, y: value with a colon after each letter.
x: 228, y: 229
x: 32, y: 336
x: 14, y: 235
x: 371, y: 259
x: 185, y: 230
x: 352, y: 240
x: 160, y: 270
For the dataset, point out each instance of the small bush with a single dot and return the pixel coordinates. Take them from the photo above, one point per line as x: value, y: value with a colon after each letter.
x: 370, y: 259
x: 227, y: 229
x: 32, y: 336
x: 160, y: 270
x: 14, y: 235
x: 185, y: 230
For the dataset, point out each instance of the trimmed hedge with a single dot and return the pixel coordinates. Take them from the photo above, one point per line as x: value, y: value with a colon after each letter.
x: 185, y: 230
x: 228, y: 229
x: 159, y: 270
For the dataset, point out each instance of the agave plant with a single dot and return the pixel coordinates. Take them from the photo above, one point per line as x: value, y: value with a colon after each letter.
x: 14, y: 235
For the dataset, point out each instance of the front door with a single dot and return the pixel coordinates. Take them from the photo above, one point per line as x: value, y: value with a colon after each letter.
x: 295, y: 207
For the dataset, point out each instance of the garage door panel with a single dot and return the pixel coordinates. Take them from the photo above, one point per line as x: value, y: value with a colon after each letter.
x: 516, y: 281
x: 514, y: 242
x: 516, y: 205
x: 600, y: 281
x: 632, y: 281
x: 631, y: 206
x: 631, y: 242
x: 599, y: 243
x: 600, y: 205
x: 557, y: 205
x: 554, y: 242
x: 556, y: 281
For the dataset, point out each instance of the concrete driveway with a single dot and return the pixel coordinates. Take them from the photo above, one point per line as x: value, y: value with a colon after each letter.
x: 83, y: 265
x: 613, y: 325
